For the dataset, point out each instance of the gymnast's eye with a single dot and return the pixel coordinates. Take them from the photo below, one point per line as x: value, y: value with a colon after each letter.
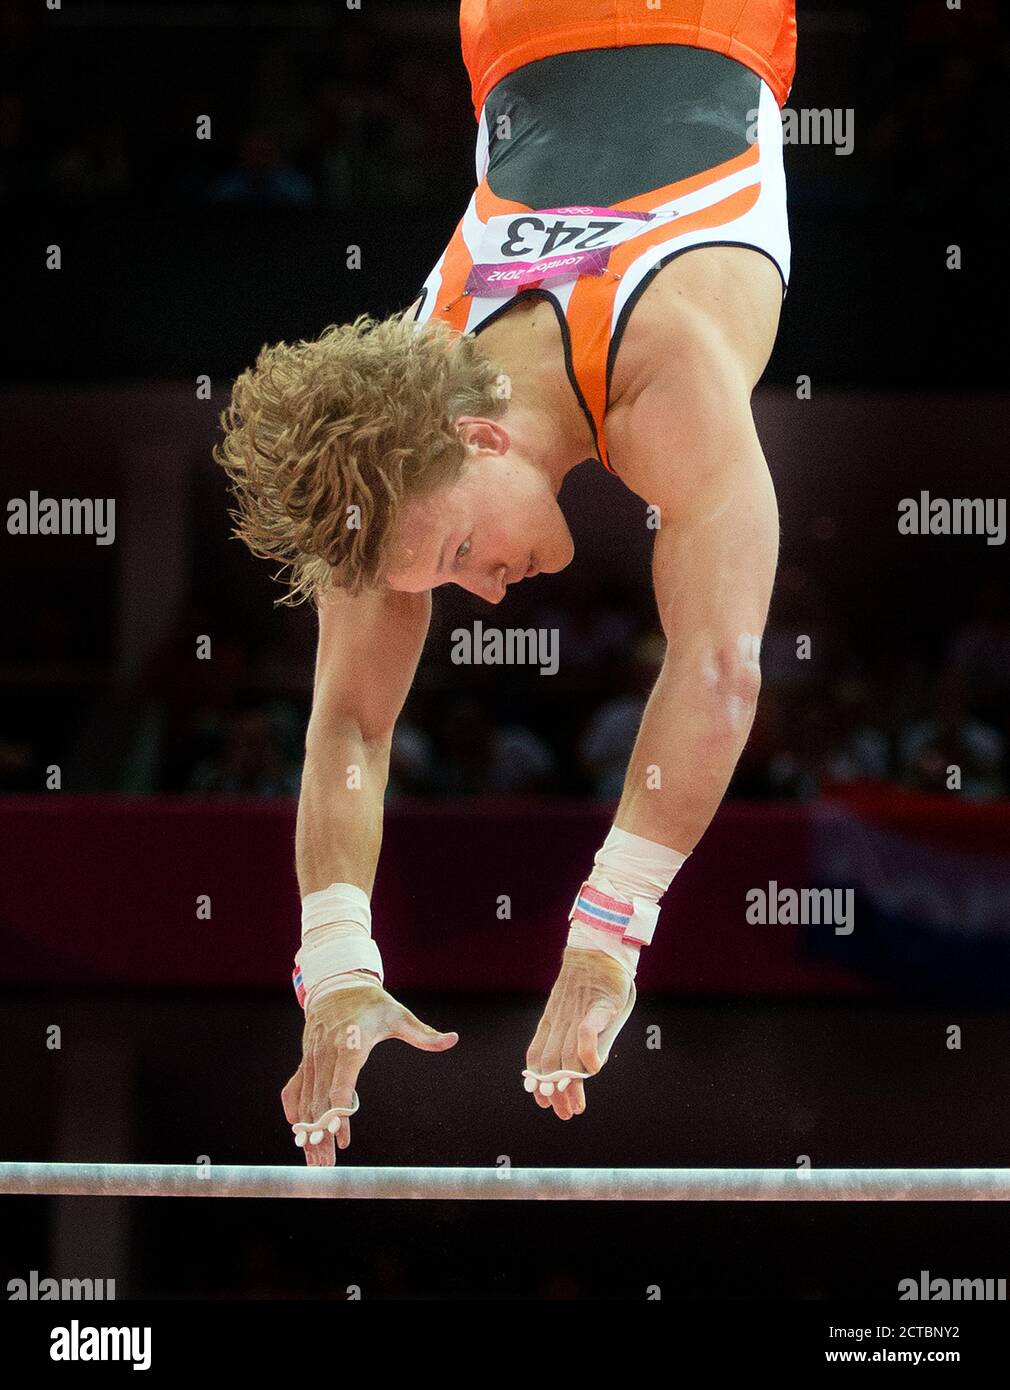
x: 464, y: 550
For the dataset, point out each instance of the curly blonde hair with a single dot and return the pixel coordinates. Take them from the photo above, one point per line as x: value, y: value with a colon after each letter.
x: 324, y: 440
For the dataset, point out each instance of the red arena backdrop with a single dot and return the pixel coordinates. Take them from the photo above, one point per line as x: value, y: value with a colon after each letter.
x: 475, y: 895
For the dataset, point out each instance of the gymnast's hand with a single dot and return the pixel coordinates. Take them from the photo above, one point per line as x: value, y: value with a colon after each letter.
x: 589, y: 1003
x: 340, y: 1032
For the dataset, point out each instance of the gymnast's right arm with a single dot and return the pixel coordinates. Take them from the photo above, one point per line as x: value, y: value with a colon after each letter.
x: 368, y: 651
x: 367, y: 654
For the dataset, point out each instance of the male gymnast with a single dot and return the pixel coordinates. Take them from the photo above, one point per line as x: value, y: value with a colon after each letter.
x: 564, y: 323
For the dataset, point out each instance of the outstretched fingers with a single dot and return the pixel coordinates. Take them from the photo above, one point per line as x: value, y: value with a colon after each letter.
x: 554, y: 1074
x: 319, y: 1100
x: 590, y: 1001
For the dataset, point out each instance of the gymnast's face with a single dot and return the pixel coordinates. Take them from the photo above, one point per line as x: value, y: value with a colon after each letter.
x: 499, y: 523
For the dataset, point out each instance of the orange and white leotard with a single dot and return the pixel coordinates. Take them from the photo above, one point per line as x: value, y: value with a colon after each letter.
x: 612, y: 137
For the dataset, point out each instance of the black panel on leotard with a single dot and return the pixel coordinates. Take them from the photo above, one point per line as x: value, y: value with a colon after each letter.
x: 605, y: 124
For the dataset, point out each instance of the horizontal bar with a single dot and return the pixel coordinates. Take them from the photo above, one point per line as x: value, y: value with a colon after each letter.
x: 514, y: 1184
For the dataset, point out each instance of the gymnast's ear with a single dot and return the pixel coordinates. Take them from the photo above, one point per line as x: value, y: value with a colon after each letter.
x: 483, y: 436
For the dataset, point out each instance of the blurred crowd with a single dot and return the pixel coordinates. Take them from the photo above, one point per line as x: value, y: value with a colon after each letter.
x: 822, y: 719
x: 236, y: 725
x: 328, y: 112
x: 339, y: 113
x: 328, y: 119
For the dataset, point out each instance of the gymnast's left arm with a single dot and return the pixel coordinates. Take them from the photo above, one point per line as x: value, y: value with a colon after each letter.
x: 688, y: 446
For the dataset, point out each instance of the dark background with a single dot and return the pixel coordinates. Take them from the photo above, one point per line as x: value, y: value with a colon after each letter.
x: 182, y: 257
x: 334, y: 128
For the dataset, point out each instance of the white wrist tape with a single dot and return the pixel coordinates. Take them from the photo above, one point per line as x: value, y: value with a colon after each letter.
x: 336, y: 943
x: 616, y: 909
x: 341, y: 902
